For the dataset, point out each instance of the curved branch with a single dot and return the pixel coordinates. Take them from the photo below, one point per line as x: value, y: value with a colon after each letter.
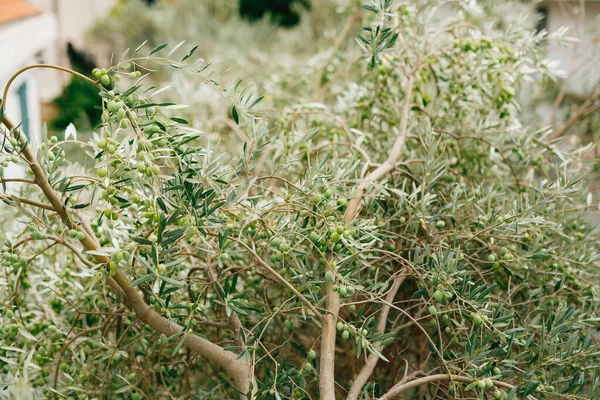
x: 369, y: 366
x: 280, y: 278
x: 22, y: 180
x: 27, y: 201
x: 49, y: 66
x: 402, y: 387
x: 586, y: 108
x: 390, y: 163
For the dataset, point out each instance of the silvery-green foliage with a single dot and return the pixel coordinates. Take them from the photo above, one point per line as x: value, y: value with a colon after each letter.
x: 219, y: 214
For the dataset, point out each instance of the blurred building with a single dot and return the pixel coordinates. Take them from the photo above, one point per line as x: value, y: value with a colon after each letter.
x: 37, y: 31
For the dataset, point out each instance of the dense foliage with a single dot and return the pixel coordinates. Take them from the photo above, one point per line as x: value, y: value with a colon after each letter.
x: 379, y: 224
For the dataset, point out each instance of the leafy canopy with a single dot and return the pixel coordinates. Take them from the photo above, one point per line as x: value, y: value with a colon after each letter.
x: 389, y: 210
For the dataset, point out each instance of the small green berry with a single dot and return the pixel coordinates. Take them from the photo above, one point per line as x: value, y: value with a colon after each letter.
x: 329, y: 276
x: 105, y: 79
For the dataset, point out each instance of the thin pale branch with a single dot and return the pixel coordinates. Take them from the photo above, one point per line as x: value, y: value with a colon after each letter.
x: 372, y: 359
x: 402, y: 387
x: 237, y: 368
x: 24, y: 200
x: 390, y: 163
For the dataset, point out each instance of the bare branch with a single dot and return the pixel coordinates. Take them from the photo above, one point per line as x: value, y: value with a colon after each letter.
x: 372, y: 359
x: 402, y: 386
x: 237, y: 368
x: 390, y: 163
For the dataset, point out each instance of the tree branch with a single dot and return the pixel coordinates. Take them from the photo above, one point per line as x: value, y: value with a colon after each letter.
x: 27, y: 201
x: 402, y: 387
x: 328, y: 335
x: 336, y: 46
x: 586, y: 108
x: 237, y: 368
x: 390, y: 163
x: 372, y: 359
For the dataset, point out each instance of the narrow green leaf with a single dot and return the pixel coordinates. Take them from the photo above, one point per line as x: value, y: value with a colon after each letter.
x: 235, y: 115
x: 158, y: 48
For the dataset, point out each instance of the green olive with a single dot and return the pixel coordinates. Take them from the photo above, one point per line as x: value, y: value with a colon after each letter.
x: 329, y: 276
x: 105, y: 80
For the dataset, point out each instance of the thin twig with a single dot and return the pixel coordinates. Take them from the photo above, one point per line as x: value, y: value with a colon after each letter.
x: 372, y: 359
x: 390, y: 163
x: 402, y: 387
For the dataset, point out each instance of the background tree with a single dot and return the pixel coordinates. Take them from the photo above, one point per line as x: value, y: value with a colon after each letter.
x: 282, y: 12
x: 380, y: 224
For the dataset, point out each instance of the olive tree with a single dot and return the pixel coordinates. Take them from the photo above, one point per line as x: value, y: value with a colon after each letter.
x: 390, y: 231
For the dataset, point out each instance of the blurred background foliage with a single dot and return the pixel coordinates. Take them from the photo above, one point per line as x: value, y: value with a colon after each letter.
x: 285, y: 36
